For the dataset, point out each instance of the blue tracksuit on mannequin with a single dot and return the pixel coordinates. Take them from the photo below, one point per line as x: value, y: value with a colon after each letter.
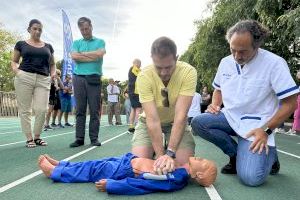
x: 119, y: 175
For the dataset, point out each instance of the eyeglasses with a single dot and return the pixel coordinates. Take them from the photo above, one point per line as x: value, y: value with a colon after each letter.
x: 164, y: 93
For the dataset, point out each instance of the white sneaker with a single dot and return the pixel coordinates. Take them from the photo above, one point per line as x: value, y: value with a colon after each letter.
x: 280, y: 130
x: 291, y: 132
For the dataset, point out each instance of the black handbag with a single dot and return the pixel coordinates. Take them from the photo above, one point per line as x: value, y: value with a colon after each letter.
x: 93, y: 79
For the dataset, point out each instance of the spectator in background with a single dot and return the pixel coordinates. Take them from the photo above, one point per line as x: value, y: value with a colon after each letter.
x: 195, y: 108
x: 88, y: 55
x: 65, y: 99
x: 127, y: 105
x: 206, y: 98
x: 296, y: 124
x: 113, y: 106
x: 55, y: 86
x: 57, y: 105
x: 32, y: 81
x: 133, y: 94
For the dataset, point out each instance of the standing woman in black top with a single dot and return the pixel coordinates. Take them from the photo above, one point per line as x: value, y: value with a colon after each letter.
x: 32, y: 81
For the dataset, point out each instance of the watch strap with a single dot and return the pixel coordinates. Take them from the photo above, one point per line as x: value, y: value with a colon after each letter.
x: 268, y: 131
x: 171, y: 153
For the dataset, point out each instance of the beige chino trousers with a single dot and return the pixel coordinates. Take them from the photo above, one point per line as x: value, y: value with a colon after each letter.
x: 32, y: 92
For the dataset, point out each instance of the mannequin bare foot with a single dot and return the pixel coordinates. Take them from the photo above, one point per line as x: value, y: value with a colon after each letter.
x: 101, y: 185
x: 45, y: 166
x: 51, y: 160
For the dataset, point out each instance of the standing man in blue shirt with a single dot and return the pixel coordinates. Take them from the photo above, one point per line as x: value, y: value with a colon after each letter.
x: 65, y: 99
x: 249, y: 83
x: 88, y: 55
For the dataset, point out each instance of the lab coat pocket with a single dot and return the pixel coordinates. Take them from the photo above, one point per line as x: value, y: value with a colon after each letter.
x: 248, y: 122
x: 256, y: 89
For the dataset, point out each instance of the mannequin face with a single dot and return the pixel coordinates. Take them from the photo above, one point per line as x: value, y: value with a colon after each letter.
x: 196, y: 165
x: 203, y: 171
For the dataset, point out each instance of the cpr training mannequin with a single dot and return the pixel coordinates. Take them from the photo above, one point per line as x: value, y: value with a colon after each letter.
x: 128, y: 174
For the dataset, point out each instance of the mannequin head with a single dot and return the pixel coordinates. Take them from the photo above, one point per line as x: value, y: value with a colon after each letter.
x: 203, y: 171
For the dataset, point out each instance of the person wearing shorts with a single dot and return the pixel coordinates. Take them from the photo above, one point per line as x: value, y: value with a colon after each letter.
x: 133, y: 94
x: 65, y: 97
x: 166, y: 87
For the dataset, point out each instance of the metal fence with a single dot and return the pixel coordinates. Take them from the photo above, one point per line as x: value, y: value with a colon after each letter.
x: 8, y: 104
x: 9, y: 108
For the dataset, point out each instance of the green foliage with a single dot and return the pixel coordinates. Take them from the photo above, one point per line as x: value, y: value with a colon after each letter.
x: 209, y: 46
x: 6, y: 74
x: 283, y: 19
x: 7, y: 40
x: 59, y: 64
x: 103, y: 90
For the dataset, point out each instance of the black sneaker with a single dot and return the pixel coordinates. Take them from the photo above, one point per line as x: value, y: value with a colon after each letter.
x: 118, y: 123
x: 68, y: 124
x: 230, y: 168
x: 53, y: 125
x: 46, y: 128
x: 77, y: 143
x: 96, y: 143
x: 131, y: 130
x: 275, y: 168
x: 60, y: 125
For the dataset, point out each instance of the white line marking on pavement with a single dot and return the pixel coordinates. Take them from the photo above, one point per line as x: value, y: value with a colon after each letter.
x: 10, y: 132
x: 19, y: 131
x: 34, y: 174
x: 290, y: 154
x: 212, y: 193
x: 8, y: 144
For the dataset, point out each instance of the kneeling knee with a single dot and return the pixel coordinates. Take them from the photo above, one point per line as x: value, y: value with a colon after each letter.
x: 252, y: 179
x: 197, y: 124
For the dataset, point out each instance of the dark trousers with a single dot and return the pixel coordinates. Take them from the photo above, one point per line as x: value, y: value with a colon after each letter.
x: 86, y: 94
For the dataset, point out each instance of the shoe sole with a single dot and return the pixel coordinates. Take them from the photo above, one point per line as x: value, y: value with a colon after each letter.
x: 76, y: 146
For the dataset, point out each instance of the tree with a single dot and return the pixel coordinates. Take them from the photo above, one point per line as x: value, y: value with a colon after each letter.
x: 283, y: 19
x: 6, y: 74
x: 59, y: 64
x: 7, y: 40
x: 209, y: 46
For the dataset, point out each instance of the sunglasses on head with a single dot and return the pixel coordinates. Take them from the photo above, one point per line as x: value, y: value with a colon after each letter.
x: 165, y: 94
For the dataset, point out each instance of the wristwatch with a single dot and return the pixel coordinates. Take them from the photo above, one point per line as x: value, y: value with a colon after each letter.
x: 171, y: 153
x: 268, y: 131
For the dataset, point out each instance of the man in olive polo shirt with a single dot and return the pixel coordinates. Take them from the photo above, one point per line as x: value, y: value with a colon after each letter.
x: 88, y: 55
x: 166, y: 89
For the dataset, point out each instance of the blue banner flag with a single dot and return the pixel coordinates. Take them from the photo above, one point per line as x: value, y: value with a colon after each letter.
x: 68, y: 63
